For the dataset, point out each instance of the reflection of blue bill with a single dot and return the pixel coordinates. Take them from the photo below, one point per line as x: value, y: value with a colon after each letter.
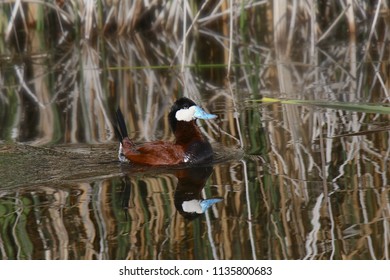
x: 207, y: 203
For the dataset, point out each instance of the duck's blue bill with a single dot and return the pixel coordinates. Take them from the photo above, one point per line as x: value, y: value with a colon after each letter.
x: 207, y: 203
x: 200, y: 114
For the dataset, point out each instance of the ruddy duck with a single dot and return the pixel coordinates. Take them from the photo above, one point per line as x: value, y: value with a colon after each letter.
x: 190, y: 146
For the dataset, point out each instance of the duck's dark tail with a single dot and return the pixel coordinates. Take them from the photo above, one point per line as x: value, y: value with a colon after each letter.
x: 120, y: 129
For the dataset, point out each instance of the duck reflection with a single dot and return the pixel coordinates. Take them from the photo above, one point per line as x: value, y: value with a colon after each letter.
x: 188, y: 199
x: 188, y: 194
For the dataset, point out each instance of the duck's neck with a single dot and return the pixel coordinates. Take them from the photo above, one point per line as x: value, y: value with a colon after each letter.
x: 187, y: 132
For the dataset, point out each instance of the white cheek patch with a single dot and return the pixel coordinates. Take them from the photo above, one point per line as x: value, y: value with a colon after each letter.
x: 186, y: 114
x: 192, y: 206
